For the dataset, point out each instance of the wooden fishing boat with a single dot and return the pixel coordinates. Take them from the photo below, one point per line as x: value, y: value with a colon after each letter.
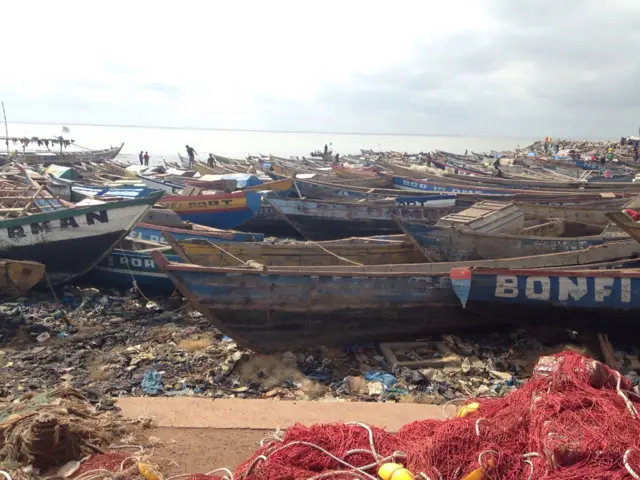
x: 275, y: 310
x: 242, y: 181
x: 330, y: 220
x: 434, y: 186
x: 123, y: 266
x: 277, y: 186
x: 225, y: 185
x: 224, y: 211
x: 287, y: 169
x: 573, y: 297
x: 347, y: 172
x: 156, y: 233
x: 160, y: 184
x: 71, y: 241
x: 224, y: 165
x: 486, y: 216
x: 623, y: 254
x: 401, y: 170
x: 271, y: 222
x: 80, y: 192
x: 315, y: 189
x: 204, y: 169
x: 625, y: 223
x: 594, y: 213
x: 18, y: 277
x: 511, y: 183
x: 440, y: 244
x: 61, y: 157
x: 350, y: 251
x: 487, y: 193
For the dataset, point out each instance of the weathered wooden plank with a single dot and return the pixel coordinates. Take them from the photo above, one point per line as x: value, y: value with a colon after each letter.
x: 442, y: 244
x: 363, y: 251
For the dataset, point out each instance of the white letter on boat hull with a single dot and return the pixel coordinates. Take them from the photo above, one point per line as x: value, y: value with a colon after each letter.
x: 602, y: 288
x: 506, y: 286
x: 625, y: 290
x: 545, y: 288
x: 566, y: 288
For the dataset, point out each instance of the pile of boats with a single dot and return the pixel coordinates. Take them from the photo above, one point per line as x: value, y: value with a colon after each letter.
x: 282, y: 253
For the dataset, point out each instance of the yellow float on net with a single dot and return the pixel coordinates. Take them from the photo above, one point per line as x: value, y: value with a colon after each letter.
x: 394, y: 471
x: 148, y: 472
x: 479, y: 473
x: 467, y: 409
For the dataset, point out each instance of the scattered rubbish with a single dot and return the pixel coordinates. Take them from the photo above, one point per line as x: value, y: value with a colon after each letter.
x: 152, y: 382
x: 384, y: 378
x: 115, y: 345
x: 43, y: 337
x: 419, y: 354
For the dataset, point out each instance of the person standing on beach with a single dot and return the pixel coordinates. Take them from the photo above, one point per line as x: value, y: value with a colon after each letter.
x: 192, y: 155
x: 146, y: 159
x: 140, y: 157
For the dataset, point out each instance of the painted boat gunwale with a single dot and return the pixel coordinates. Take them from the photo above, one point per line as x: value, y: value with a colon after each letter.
x: 614, y: 273
x: 293, y: 272
x: 78, y: 211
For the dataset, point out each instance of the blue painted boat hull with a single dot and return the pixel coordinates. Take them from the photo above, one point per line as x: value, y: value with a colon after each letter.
x: 113, y: 272
x: 283, y: 309
x: 571, y: 296
x: 221, y: 217
x: 426, y: 186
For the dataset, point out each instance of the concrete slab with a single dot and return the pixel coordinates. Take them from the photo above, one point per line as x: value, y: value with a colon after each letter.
x: 190, y: 412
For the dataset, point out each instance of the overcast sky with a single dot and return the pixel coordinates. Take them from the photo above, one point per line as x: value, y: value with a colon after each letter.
x: 477, y: 67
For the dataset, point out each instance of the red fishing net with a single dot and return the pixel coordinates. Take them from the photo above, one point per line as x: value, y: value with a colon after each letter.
x: 112, y: 461
x: 574, y: 419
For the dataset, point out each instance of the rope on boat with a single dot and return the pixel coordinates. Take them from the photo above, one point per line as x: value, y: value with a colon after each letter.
x: 133, y: 279
x: 227, y: 253
x: 311, y: 241
x: 335, y: 255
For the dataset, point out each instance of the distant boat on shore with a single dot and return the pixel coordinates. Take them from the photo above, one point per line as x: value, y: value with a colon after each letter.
x: 49, y: 156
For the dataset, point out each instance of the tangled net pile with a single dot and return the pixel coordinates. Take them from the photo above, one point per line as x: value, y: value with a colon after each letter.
x: 52, y: 428
x: 574, y: 419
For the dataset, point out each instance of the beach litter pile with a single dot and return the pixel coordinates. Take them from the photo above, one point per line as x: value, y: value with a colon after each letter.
x: 117, y: 345
x: 575, y: 418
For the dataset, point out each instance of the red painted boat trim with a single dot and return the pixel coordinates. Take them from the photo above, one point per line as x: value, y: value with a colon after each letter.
x: 460, y: 273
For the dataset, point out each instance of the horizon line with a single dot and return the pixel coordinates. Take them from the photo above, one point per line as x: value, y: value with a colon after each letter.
x: 250, y: 130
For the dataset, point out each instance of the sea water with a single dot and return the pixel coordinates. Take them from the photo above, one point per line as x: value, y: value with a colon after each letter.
x: 166, y: 143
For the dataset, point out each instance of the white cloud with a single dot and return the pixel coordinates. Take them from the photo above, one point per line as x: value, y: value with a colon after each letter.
x: 289, y: 64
